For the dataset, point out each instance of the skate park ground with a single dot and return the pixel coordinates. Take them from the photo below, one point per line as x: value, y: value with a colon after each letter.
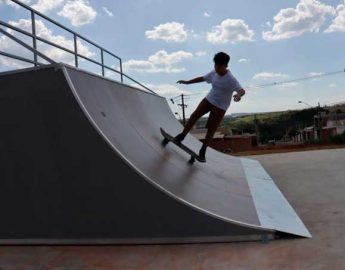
x: 312, y: 181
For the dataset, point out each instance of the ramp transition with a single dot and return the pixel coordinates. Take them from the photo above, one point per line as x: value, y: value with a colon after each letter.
x: 81, y: 162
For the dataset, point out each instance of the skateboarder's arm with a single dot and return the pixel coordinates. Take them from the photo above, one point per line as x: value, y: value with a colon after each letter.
x: 240, y: 93
x: 195, y: 80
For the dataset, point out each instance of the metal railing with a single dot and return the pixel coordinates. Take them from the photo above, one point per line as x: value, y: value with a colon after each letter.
x: 76, y: 37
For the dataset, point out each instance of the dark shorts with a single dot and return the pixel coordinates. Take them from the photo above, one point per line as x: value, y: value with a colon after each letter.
x: 216, y: 114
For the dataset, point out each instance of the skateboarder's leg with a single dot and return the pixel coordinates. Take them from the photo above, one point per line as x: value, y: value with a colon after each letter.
x: 213, y: 122
x: 203, y: 108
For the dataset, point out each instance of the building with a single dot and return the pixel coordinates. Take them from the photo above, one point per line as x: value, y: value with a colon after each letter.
x: 228, y: 143
x: 325, y: 126
x: 335, y: 125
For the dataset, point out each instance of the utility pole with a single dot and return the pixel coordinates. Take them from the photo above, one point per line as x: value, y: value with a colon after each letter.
x: 256, y: 124
x: 320, y: 121
x: 183, y: 105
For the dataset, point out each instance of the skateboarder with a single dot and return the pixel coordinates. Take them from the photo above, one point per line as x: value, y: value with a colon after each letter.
x: 216, y: 102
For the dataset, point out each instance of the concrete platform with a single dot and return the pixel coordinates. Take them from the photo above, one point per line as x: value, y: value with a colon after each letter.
x: 314, y: 184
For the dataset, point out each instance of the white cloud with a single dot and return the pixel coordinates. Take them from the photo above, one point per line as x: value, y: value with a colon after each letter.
x: 206, y: 14
x: 230, y: 30
x: 288, y: 84
x: 12, y: 4
x: 162, y: 57
x: 266, y: 25
x: 107, y: 11
x: 111, y: 74
x: 338, y: 24
x: 194, y: 34
x: 332, y: 85
x: 169, y: 32
x: 160, y: 62
x: 46, y: 5
x: 308, y: 16
x: 166, y: 89
x: 312, y: 74
x: 269, y: 76
x: 200, y: 53
x: 41, y: 5
x: 78, y: 12
x: 41, y: 30
x: 243, y: 60
x: 316, y: 75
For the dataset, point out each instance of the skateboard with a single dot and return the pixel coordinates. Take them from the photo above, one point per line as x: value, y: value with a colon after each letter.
x: 168, y: 138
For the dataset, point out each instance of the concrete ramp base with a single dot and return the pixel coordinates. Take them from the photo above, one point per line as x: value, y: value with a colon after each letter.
x: 81, y: 162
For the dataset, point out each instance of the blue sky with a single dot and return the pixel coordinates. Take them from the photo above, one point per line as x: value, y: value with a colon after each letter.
x: 161, y: 42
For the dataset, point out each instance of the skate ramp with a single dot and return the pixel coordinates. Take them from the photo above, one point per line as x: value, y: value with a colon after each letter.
x: 93, y: 170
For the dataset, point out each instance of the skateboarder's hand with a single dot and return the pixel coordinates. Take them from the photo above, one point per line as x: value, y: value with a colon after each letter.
x: 182, y: 82
x: 237, y: 98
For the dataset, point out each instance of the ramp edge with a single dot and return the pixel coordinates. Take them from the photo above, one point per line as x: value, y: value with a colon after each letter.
x: 273, y: 209
x: 141, y: 241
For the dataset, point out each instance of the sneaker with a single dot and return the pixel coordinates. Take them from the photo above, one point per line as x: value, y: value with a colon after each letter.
x: 202, y: 154
x: 180, y: 137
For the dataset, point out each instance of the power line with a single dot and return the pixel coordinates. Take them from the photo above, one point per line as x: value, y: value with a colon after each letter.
x: 179, y: 96
x: 297, y: 79
x: 286, y: 81
x: 196, y: 94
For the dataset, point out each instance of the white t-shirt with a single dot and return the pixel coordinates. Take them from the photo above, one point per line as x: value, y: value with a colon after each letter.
x: 222, y: 89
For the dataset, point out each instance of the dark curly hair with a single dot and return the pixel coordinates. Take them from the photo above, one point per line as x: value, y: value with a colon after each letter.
x: 221, y: 58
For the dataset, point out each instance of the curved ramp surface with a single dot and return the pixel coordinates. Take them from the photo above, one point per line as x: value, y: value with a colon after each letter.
x: 82, y: 162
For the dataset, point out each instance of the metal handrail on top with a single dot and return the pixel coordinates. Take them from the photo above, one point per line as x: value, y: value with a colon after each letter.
x: 36, y: 53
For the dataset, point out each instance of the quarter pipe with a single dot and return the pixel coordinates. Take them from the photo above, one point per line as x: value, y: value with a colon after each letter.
x: 81, y: 163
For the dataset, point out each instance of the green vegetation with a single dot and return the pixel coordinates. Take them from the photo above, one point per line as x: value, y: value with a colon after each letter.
x: 338, y: 139
x: 278, y: 125
x: 275, y: 125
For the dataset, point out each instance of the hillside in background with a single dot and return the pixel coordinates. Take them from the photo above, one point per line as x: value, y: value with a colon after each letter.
x: 273, y: 125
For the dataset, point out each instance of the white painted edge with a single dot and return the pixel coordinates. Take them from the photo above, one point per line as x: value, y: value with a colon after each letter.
x: 273, y: 209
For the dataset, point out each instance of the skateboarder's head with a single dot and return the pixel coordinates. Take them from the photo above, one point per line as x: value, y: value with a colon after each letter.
x: 221, y: 61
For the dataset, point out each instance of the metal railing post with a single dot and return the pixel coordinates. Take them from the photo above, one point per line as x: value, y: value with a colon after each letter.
x: 102, y: 58
x: 75, y: 49
x: 121, y: 70
x: 34, y: 41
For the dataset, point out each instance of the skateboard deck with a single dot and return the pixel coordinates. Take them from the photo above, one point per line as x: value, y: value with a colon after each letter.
x: 168, y: 138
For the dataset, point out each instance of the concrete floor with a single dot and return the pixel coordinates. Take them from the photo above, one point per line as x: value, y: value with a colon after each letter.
x: 313, y: 182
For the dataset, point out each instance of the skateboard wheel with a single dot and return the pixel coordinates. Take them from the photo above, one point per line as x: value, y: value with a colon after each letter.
x: 192, y: 160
